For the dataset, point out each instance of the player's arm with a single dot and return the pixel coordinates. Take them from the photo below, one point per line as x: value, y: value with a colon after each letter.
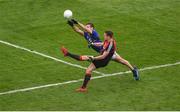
x: 82, y: 26
x: 101, y: 56
x: 105, y: 53
x: 75, y: 28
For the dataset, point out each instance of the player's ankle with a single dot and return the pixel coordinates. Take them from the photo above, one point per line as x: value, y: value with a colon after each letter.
x: 83, y: 87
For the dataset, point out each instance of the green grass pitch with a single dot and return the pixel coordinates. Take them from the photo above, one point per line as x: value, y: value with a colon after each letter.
x: 147, y: 34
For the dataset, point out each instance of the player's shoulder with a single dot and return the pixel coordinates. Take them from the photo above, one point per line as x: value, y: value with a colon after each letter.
x: 105, y: 43
x: 94, y: 31
x: 112, y: 40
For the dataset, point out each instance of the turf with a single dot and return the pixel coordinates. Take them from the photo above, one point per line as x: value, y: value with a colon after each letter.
x: 147, y: 34
x: 156, y: 91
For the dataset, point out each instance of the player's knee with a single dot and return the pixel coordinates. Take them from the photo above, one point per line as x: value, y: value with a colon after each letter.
x: 88, y: 72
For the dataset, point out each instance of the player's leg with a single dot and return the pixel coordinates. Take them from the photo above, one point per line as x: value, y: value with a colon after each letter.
x: 74, y: 56
x: 87, y: 77
x: 116, y: 57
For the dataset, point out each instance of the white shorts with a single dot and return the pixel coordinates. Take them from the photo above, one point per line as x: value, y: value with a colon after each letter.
x: 114, y: 55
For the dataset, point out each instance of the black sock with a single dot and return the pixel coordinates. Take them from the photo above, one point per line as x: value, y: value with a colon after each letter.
x: 86, y: 80
x: 77, y: 57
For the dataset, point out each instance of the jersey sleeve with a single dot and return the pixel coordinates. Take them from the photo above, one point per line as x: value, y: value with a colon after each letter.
x: 94, y: 33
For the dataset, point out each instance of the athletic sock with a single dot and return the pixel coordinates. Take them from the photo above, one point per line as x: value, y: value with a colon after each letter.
x: 77, y: 57
x: 86, y: 80
x: 134, y: 69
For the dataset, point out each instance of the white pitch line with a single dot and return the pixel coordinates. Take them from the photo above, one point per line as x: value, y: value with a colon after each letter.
x: 152, y: 67
x: 97, y: 77
x: 46, y: 56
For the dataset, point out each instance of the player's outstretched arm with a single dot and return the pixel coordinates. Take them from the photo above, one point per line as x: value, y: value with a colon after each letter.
x: 75, y: 28
x: 81, y: 25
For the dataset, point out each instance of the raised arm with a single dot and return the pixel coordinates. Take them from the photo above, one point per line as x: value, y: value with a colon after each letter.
x: 82, y: 26
x: 75, y: 28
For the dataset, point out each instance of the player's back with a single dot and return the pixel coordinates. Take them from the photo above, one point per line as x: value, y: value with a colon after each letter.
x: 109, y: 46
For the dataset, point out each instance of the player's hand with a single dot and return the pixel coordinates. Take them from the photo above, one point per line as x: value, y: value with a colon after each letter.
x: 74, y: 21
x: 70, y: 23
x: 91, y: 58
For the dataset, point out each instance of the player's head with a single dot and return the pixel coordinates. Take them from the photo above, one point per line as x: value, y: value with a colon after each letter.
x: 108, y: 35
x: 90, y: 26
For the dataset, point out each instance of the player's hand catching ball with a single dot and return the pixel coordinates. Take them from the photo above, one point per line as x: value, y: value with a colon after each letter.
x: 70, y: 23
x: 74, y: 21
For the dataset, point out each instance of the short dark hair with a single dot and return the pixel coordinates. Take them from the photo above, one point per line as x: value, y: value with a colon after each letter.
x: 109, y: 33
x: 91, y: 24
